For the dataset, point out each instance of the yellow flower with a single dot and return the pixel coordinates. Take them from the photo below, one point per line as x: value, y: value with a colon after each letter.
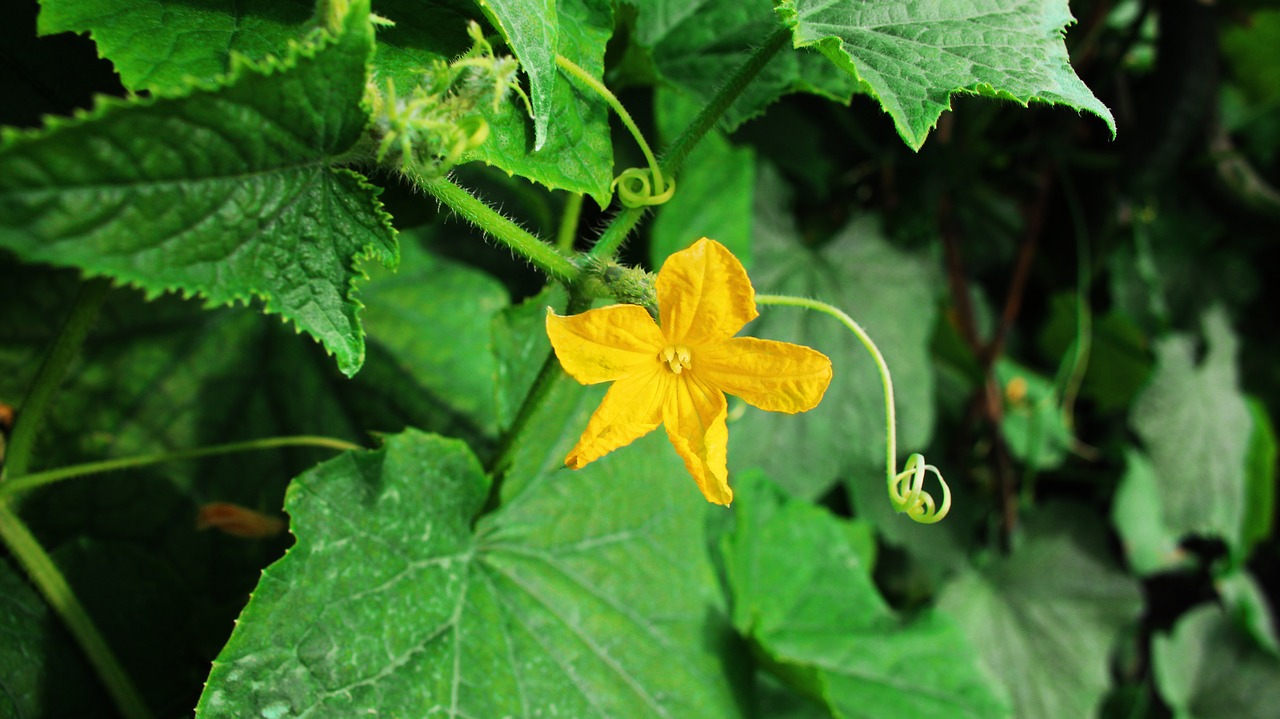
x: 677, y: 374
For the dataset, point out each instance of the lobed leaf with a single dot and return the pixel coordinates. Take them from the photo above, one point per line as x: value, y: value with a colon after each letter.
x: 226, y: 192
x: 912, y: 55
x: 805, y: 598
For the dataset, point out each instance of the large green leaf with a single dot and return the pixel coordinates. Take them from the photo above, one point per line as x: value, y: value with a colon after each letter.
x: 1149, y: 544
x: 197, y: 38
x: 696, y: 44
x: 912, y: 55
x: 805, y: 598
x: 227, y: 193
x: 1196, y: 426
x: 589, y: 592
x: 890, y: 294
x: 1045, y: 618
x: 1208, y: 669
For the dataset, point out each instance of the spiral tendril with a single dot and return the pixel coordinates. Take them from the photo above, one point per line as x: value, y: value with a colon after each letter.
x: 907, y: 494
x: 906, y: 488
x: 635, y: 190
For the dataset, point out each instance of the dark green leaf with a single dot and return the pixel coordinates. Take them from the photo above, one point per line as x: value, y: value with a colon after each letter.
x: 1260, y: 478
x: 696, y: 44
x: 803, y: 596
x: 532, y: 29
x: 912, y: 55
x: 1045, y: 618
x: 227, y: 193
x: 714, y: 193
x: 198, y: 38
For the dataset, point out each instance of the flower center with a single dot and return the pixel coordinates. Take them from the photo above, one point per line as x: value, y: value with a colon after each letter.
x: 677, y: 358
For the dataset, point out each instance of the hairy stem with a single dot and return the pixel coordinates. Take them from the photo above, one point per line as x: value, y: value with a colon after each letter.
x: 673, y: 159
x: 473, y: 210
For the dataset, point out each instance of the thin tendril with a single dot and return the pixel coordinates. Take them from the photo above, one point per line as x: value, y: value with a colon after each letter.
x: 906, y: 488
x: 633, y: 185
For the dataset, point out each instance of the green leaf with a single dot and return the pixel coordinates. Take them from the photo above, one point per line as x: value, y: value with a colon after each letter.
x: 1149, y: 544
x: 433, y: 317
x: 715, y: 191
x: 804, y: 598
x: 1260, y: 478
x: 1045, y: 618
x: 532, y: 29
x: 890, y: 294
x: 576, y: 153
x: 1119, y: 355
x: 198, y: 39
x: 389, y: 602
x: 1248, y: 605
x: 1207, y: 669
x: 1195, y: 424
x: 912, y: 55
x: 227, y: 193
x: 695, y: 44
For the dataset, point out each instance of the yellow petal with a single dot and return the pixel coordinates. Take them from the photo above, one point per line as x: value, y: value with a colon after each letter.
x: 694, y: 415
x: 631, y: 409
x: 776, y: 376
x: 704, y: 295
x: 604, y: 344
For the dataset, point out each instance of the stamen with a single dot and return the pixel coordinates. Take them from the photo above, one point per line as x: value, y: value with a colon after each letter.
x: 677, y: 358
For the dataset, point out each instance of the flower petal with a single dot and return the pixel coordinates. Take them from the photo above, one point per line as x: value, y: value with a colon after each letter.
x: 771, y: 375
x: 604, y: 344
x: 631, y: 409
x: 694, y: 415
x: 704, y: 294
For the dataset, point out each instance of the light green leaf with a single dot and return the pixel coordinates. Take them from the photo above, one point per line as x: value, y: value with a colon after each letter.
x: 580, y: 595
x: 889, y: 292
x: 1260, y: 478
x: 912, y: 55
x: 1149, y: 545
x: 1207, y: 669
x: 1195, y: 424
x: 532, y: 29
x: 227, y: 193
x: 1046, y: 617
x: 197, y: 39
x: 806, y: 601
x: 1248, y: 605
x: 696, y: 44
x: 715, y: 191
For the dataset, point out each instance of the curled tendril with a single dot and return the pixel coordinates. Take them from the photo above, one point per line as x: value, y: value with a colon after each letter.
x: 906, y: 492
x: 906, y: 488
x: 635, y: 190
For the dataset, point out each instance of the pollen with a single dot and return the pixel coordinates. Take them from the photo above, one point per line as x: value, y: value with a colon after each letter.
x: 677, y: 358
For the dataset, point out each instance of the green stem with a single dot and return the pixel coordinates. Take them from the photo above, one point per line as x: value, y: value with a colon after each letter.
x: 917, y: 503
x: 585, y: 78
x: 49, y: 377
x: 569, y: 223
x: 673, y: 159
x: 547, y: 377
x: 39, y: 479
x: 473, y: 210
x: 44, y: 573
